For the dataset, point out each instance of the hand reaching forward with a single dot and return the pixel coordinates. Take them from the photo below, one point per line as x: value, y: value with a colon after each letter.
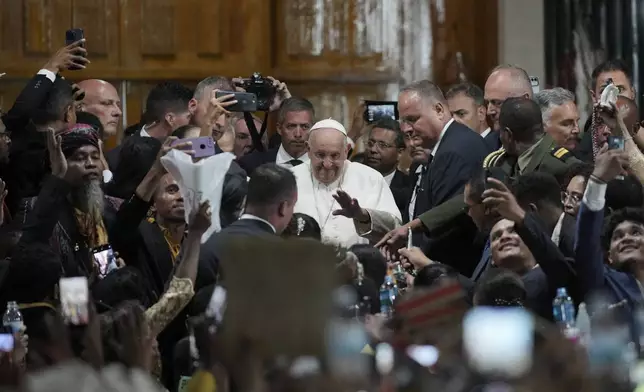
x: 350, y: 207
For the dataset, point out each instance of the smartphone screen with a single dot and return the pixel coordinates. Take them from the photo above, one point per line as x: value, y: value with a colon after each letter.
x: 376, y: 110
x: 74, y: 299
x: 615, y: 143
x: 104, y: 260
x: 6, y: 343
x: 534, y: 82
x: 499, y: 341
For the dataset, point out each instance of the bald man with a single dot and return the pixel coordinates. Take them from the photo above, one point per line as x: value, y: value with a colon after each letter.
x: 102, y: 100
x: 505, y: 81
x: 351, y: 202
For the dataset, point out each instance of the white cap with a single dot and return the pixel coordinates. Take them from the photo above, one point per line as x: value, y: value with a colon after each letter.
x: 329, y: 123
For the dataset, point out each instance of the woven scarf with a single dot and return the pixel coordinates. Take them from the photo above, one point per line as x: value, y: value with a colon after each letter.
x: 93, y: 230
x: 172, y: 245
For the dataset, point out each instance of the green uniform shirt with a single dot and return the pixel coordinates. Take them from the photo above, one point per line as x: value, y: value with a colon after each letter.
x: 543, y: 156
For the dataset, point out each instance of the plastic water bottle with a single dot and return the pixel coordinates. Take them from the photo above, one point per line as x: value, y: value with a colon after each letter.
x: 13, y: 318
x: 388, y: 294
x: 563, y: 310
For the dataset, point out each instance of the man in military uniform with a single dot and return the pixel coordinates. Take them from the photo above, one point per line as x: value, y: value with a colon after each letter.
x: 526, y: 148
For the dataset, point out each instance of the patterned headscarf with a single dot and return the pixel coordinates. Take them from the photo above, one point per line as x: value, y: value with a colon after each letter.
x: 78, y: 136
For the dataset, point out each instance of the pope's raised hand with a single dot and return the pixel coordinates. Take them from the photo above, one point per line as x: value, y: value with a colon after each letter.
x: 349, y: 207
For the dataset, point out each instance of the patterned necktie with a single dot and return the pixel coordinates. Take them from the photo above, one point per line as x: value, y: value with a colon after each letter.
x: 294, y: 162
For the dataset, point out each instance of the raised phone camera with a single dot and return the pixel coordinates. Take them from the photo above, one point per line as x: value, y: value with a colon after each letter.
x: 262, y: 87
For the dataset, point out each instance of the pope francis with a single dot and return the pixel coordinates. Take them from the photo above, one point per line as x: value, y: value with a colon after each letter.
x: 351, y: 202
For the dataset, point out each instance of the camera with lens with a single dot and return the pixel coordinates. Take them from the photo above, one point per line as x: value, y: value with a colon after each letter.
x: 262, y: 87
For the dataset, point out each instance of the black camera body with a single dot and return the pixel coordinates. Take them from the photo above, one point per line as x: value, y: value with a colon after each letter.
x: 262, y: 87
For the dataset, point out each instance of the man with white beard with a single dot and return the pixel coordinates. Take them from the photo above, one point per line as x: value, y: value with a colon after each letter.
x: 69, y: 211
x: 351, y: 202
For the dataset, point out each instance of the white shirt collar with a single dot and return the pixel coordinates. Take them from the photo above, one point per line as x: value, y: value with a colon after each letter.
x: 435, y: 149
x: 556, y: 233
x: 143, y: 132
x: 390, y: 177
x: 257, y: 218
x: 484, y: 133
x: 283, y: 157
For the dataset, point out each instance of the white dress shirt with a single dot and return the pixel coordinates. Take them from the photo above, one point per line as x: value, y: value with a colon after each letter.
x: 48, y: 74
x: 414, y: 193
x: 484, y: 133
x: 143, y: 132
x: 284, y: 157
x: 595, y: 195
x: 389, y: 177
x: 361, y: 182
x: 257, y: 218
x: 435, y: 149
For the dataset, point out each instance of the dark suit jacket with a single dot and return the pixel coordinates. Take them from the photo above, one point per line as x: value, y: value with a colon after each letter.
x: 493, y: 141
x: 256, y: 159
x: 460, y: 153
x: 401, y: 187
x: 208, y: 258
x: 29, y: 163
x: 141, y: 244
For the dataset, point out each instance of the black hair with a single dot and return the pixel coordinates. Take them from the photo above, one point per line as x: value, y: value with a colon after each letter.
x: 109, y: 322
x: 522, y: 116
x: 302, y: 225
x: 537, y: 188
x: 180, y: 132
x: 434, y: 273
x: 500, y: 287
x: 33, y: 273
x: 583, y: 169
x: 136, y: 157
x: 91, y: 120
x: 611, y: 66
x: 391, y: 125
x: 123, y: 284
x: 294, y: 104
x: 629, y: 214
x: 166, y: 97
x: 270, y: 184
x: 372, y: 260
x: 478, y: 179
x: 622, y: 193
x: 57, y: 101
x: 469, y: 89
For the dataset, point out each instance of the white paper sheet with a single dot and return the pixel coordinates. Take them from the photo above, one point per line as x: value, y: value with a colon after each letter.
x: 199, y: 181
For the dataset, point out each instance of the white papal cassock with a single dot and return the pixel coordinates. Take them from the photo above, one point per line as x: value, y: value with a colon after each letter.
x: 361, y: 183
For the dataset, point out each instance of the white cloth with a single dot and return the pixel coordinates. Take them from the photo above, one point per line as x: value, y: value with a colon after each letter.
x: 595, y: 195
x: 360, y: 182
x: 284, y: 157
x: 329, y: 123
x: 414, y: 193
x: 143, y: 132
x: 435, y: 149
x: 199, y: 181
x: 47, y: 73
x: 257, y: 218
x: 556, y: 233
x: 484, y: 133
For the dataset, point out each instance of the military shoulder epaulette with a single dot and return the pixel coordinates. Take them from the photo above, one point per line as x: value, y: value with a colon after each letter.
x: 561, y: 153
x: 490, y: 159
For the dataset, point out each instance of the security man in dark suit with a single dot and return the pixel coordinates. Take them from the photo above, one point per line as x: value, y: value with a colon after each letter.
x: 526, y: 148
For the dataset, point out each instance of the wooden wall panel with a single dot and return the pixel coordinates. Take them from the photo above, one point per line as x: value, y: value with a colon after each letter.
x: 100, y: 22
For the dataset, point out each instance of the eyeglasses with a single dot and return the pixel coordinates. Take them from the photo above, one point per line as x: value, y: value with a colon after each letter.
x: 574, y: 197
x: 381, y: 145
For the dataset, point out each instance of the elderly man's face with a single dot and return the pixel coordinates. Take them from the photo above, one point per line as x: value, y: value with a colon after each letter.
x: 499, y: 87
x: 84, y: 165
x: 421, y: 118
x: 243, y: 140
x: 327, y: 151
x: 563, y: 125
x: 199, y: 111
x: 102, y: 100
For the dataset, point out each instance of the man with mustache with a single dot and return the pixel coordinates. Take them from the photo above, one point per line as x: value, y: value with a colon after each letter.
x: 560, y: 116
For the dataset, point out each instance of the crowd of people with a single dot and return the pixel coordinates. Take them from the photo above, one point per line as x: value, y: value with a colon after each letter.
x: 496, y: 197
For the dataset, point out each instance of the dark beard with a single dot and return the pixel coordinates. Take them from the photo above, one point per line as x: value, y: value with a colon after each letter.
x: 89, y: 198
